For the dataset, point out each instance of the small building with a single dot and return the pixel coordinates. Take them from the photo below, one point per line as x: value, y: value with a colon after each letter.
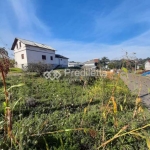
x: 61, y: 60
x: 139, y: 66
x: 74, y: 64
x: 147, y: 65
x: 91, y: 64
x: 28, y: 52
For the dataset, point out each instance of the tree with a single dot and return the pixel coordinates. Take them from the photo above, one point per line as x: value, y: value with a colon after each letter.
x: 111, y: 65
x: 4, y: 61
x: 97, y: 64
x: 12, y: 63
x: 104, y: 61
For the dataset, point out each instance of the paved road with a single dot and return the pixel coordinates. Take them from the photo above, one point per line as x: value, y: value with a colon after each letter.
x: 138, y: 85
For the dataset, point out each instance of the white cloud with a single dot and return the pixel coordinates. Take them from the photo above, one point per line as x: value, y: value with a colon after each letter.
x: 141, y: 40
x: 125, y: 15
x: 25, y: 12
x: 80, y: 51
x: 20, y: 20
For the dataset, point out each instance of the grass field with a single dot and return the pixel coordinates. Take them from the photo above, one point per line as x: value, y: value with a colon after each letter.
x: 68, y: 114
x: 15, y: 70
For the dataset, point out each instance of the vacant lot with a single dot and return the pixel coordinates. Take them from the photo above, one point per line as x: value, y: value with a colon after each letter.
x: 69, y: 114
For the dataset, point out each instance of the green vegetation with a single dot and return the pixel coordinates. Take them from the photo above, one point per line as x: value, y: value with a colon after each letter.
x: 15, y: 70
x: 12, y: 63
x: 74, y: 114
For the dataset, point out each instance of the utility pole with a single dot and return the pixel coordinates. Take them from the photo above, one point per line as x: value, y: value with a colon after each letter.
x: 135, y: 66
x: 135, y: 63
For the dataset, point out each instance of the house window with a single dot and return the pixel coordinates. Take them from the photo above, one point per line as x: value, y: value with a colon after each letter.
x: 44, y: 57
x: 17, y: 46
x: 22, y: 56
x: 51, y: 57
x: 20, y: 44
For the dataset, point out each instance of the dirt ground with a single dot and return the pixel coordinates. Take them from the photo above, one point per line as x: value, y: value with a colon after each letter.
x: 138, y: 85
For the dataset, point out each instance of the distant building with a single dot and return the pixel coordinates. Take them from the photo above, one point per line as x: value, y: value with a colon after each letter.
x: 27, y: 52
x: 91, y: 63
x: 74, y: 64
x: 138, y: 66
x: 147, y: 65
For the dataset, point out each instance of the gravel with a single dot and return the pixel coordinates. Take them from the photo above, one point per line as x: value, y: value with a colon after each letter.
x: 138, y: 85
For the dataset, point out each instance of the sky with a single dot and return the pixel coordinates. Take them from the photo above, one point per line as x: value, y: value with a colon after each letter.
x: 81, y: 29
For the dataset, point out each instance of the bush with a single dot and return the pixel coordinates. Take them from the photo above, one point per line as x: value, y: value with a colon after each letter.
x: 38, y: 67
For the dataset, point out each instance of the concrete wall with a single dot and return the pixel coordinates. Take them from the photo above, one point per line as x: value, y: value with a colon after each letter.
x: 147, y: 65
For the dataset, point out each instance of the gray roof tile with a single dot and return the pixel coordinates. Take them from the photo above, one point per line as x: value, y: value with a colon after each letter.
x: 31, y: 43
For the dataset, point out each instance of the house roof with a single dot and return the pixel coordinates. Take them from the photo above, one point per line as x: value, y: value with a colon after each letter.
x: 60, y: 56
x: 31, y: 43
x: 91, y: 61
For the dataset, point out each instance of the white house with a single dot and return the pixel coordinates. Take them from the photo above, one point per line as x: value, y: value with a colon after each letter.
x: 28, y: 52
x: 147, y: 65
x: 91, y: 63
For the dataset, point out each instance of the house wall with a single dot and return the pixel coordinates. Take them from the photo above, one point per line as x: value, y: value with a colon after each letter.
x: 90, y: 65
x: 62, y: 61
x: 147, y: 65
x: 18, y: 51
x: 34, y: 55
x: 73, y: 64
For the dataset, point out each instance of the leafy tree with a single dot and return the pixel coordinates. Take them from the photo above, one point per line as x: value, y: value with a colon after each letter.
x: 103, y: 61
x: 111, y: 65
x: 4, y: 61
x: 97, y: 64
x: 12, y: 63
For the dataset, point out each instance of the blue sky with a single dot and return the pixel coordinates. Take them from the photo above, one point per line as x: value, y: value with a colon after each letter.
x: 79, y: 29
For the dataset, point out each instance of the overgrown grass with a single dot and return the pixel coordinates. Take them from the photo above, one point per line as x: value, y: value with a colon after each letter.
x: 64, y: 114
x: 15, y: 70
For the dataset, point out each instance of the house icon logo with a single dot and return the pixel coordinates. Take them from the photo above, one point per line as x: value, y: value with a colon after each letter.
x: 52, y: 75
